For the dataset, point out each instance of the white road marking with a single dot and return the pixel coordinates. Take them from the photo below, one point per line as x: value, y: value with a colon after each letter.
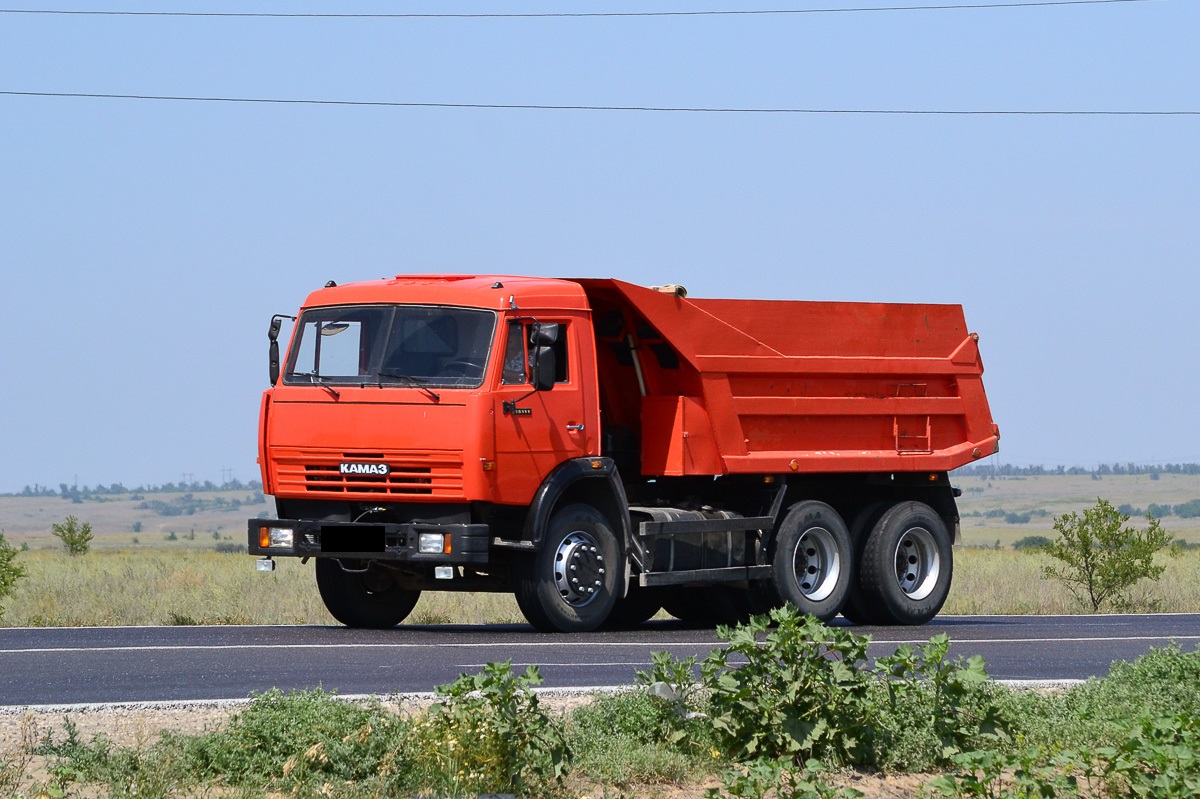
x: 563, y: 644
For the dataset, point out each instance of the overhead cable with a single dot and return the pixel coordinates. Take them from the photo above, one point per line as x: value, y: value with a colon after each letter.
x: 562, y: 14
x: 642, y: 108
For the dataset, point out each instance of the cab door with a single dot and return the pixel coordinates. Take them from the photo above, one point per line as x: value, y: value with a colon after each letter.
x: 538, y: 430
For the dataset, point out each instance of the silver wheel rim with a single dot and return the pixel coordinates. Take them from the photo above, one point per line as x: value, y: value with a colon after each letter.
x: 918, y: 563
x: 578, y: 569
x: 817, y: 563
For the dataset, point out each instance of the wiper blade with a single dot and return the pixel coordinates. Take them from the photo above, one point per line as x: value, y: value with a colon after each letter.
x: 320, y: 381
x: 433, y: 395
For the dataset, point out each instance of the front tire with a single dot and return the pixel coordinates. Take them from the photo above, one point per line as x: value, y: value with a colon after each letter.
x: 370, y: 598
x: 813, y: 560
x: 572, y: 583
x: 908, y: 564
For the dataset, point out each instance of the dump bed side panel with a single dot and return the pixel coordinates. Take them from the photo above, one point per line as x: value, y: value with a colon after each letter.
x: 752, y: 386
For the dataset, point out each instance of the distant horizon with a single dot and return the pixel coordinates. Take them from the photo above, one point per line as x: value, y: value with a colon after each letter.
x: 233, y: 483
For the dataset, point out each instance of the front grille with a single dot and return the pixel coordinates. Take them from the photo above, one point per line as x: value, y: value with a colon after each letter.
x: 433, y: 475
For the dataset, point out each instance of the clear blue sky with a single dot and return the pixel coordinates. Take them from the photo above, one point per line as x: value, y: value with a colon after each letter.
x: 144, y: 244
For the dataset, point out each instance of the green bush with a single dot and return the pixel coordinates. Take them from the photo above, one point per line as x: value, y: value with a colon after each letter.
x: 76, y: 537
x: 637, y: 736
x: 291, y: 738
x: 1101, y: 559
x: 1031, y: 542
x: 1097, y: 713
x: 11, y: 572
x: 488, y: 734
x: 798, y: 694
x: 280, y: 740
x: 934, y: 709
x: 782, y: 781
x: 1189, y: 509
x: 1159, y: 759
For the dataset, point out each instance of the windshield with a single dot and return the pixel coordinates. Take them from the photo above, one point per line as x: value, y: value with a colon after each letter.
x: 389, y: 345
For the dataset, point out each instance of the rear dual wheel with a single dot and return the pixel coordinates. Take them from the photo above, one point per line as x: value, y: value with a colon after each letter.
x: 812, y: 560
x: 905, y: 570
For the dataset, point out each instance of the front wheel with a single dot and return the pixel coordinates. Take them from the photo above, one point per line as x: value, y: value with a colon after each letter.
x: 908, y: 563
x: 572, y: 583
x: 812, y: 560
x: 367, y: 598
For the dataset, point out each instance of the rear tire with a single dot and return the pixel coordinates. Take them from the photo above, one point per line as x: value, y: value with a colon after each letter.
x: 908, y: 564
x: 572, y: 583
x: 859, y: 608
x: 370, y: 599
x: 813, y: 560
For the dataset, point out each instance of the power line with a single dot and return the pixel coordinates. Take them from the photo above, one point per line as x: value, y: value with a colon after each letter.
x: 642, y: 108
x: 565, y: 14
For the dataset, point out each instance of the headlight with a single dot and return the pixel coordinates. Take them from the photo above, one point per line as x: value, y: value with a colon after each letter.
x: 433, y: 544
x: 276, y: 537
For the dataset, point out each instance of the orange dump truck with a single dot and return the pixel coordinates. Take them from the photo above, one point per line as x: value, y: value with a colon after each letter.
x: 603, y: 450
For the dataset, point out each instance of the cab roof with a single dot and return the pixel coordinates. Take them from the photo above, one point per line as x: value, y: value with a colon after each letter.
x: 495, y: 292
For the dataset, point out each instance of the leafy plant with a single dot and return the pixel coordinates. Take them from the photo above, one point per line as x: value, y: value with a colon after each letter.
x: 489, y: 734
x: 763, y: 777
x: 797, y: 693
x: 297, y: 737
x: 1100, y: 558
x: 1160, y: 682
x: 637, y: 736
x: 1160, y: 758
x: 935, y: 707
x: 672, y: 687
x: 11, y: 572
x: 1006, y: 775
x: 76, y: 537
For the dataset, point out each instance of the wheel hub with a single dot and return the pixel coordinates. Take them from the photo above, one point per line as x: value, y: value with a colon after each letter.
x: 817, y: 563
x: 918, y: 563
x: 578, y: 569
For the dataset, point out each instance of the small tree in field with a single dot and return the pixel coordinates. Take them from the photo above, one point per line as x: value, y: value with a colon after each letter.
x: 1100, y: 558
x: 10, y: 570
x: 76, y: 537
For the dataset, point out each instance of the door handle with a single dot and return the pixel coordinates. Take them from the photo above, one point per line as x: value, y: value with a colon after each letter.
x: 576, y: 428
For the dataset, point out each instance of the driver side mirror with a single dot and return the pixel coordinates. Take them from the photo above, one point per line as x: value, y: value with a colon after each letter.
x: 273, y: 351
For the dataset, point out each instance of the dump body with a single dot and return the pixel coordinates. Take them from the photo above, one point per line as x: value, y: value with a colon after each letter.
x: 603, y: 450
x: 775, y: 386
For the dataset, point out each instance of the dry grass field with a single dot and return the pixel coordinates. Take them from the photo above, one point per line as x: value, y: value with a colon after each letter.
x: 1059, y: 494
x: 170, y: 572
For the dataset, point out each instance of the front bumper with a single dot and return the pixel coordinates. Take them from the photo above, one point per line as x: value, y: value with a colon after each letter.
x: 410, y: 542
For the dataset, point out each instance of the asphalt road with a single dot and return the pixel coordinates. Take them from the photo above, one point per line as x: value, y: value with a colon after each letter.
x: 57, y: 666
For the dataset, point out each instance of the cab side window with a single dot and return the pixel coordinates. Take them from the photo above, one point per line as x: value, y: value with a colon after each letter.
x: 516, y: 370
x: 518, y: 350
